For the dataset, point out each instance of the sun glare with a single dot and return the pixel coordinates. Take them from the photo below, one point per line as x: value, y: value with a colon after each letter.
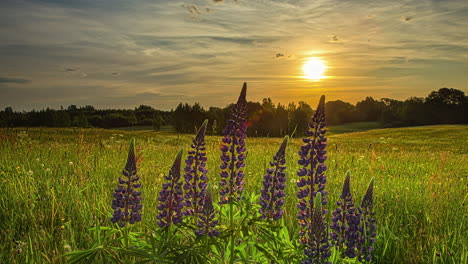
x: 314, y: 69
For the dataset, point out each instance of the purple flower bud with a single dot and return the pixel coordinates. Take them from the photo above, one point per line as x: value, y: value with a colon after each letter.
x: 273, y: 185
x: 127, y: 201
x: 207, y: 218
x: 233, y: 149
x: 196, y: 172
x: 170, y: 197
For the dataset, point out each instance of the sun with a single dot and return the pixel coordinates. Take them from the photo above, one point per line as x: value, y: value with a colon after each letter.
x: 314, y: 69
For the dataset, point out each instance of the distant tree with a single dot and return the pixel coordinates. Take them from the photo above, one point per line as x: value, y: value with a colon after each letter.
x: 63, y: 119
x: 369, y: 109
x: 392, y: 112
x: 301, y: 117
x: 339, y: 112
x: 72, y: 108
x: 448, y: 105
x: 80, y: 120
x: 157, y: 121
x: 282, y: 120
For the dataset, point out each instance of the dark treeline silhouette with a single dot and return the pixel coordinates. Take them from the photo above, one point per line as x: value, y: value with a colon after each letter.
x: 445, y: 106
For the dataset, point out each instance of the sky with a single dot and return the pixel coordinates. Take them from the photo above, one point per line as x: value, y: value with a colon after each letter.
x: 124, y: 53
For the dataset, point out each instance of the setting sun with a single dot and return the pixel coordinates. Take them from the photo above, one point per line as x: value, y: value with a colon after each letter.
x: 314, y: 69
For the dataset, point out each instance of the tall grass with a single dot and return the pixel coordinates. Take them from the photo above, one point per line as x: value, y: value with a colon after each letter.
x: 57, y: 183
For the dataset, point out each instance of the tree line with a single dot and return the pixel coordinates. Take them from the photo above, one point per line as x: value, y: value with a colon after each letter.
x: 444, y: 106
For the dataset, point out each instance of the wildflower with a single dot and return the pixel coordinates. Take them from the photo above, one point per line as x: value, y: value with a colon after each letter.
x: 312, y: 178
x: 274, y: 183
x: 70, y: 163
x: 207, y: 218
x: 195, y: 173
x: 30, y: 172
x: 171, y: 196
x: 127, y: 200
x: 233, y: 149
x: 345, y: 221
x: 317, y: 247
x: 367, y: 226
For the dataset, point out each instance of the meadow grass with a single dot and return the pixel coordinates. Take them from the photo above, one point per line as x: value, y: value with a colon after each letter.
x: 58, y: 183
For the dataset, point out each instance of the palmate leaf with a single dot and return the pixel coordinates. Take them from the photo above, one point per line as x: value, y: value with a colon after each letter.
x: 98, y: 254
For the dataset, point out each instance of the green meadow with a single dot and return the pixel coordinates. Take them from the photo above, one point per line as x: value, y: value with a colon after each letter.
x: 58, y: 183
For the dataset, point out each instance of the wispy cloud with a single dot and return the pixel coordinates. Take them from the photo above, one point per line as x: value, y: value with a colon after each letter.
x: 13, y: 80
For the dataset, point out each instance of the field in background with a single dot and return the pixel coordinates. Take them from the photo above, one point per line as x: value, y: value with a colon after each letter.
x: 57, y: 183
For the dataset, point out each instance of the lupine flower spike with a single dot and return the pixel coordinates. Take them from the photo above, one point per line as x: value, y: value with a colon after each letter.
x: 345, y: 221
x: 274, y: 183
x: 312, y: 177
x: 207, y: 218
x: 367, y: 226
x: 195, y: 173
x: 171, y: 200
x: 233, y: 149
x: 317, y: 248
x: 127, y: 200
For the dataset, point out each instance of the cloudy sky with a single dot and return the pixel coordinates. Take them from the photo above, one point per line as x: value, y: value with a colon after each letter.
x: 123, y: 53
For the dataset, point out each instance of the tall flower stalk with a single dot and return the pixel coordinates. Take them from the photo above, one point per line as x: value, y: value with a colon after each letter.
x: 367, y: 227
x: 127, y: 200
x: 317, y: 248
x: 274, y: 183
x: 232, y: 159
x: 171, y: 200
x: 207, y: 218
x: 345, y: 221
x: 312, y: 172
x: 233, y: 151
x: 195, y: 173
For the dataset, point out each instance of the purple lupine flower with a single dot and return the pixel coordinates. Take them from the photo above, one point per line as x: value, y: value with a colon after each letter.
x: 317, y: 248
x: 345, y: 221
x: 312, y: 178
x: 127, y: 200
x: 233, y: 151
x: 367, y: 226
x: 195, y: 173
x: 207, y: 218
x: 274, y: 183
x: 171, y: 200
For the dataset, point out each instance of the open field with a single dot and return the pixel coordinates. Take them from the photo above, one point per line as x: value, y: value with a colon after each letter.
x: 57, y: 183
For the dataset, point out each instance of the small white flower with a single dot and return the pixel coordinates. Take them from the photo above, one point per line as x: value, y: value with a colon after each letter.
x: 215, y: 187
x: 30, y: 172
x: 70, y: 163
x: 120, y: 135
x: 48, y: 169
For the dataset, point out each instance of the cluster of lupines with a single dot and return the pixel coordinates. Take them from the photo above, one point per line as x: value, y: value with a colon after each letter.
x: 367, y: 226
x: 352, y: 228
x: 207, y: 218
x: 233, y: 149
x: 317, y: 248
x: 274, y: 183
x: 312, y: 178
x: 171, y: 200
x: 345, y: 221
x: 195, y: 173
x: 127, y: 200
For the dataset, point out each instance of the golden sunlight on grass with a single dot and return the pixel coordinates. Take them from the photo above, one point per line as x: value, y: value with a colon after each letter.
x: 314, y: 69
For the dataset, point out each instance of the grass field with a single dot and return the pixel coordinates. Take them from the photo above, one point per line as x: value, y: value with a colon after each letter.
x: 57, y: 183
